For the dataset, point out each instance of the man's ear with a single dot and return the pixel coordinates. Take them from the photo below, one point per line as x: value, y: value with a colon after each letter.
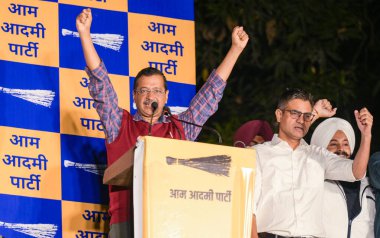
x: 278, y: 114
x: 167, y: 96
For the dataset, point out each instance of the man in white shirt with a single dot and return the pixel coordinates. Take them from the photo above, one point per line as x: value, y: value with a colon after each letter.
x: 290, y: 173
x: 348, y: 208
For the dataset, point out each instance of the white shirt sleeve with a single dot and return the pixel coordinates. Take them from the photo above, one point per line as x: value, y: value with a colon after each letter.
x: 337, y: 168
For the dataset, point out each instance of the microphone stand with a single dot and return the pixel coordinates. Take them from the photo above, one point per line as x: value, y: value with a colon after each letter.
x: 167, y: 112
x: 154, y: 106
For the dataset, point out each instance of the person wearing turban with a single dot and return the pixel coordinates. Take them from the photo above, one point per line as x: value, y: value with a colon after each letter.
x: 348, y: 207
x: 252, y: 133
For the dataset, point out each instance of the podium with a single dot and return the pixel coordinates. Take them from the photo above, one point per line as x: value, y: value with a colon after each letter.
x: 187, y: 189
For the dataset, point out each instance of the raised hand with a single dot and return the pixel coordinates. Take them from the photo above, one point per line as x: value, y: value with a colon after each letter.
x: 364, y: 120
x: 239, y: 41
x: 83, y: 24
x: 323, y: 108
x: 239, y: 37
x: 83, y: 21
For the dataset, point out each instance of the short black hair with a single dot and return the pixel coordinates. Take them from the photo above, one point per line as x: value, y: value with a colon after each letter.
x: 294, y: 93
x: 149, y: 71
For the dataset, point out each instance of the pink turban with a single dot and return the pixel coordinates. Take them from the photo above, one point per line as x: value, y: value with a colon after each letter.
x: 245, y: 134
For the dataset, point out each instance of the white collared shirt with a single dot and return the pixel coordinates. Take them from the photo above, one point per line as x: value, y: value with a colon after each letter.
x: 289, y: 186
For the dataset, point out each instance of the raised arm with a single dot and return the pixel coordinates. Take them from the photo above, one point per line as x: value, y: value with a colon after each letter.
x: 364, y: 120
x: 239, y: 41
x: 205, y: 102
x: 83, y: 24
x: 100, y: 87
x: 322, y: 108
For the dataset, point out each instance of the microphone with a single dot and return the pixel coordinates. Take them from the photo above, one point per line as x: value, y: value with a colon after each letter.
x: 167, y: 112
x: 154, y: 106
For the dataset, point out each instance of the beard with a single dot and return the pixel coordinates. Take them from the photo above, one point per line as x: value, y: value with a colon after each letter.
x: 343, y: 154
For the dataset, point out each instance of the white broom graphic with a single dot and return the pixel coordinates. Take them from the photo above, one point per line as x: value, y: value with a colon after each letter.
x: 97, y: 169
x: 110, y: 41
x: 37, y: 96
x: 34, y: 230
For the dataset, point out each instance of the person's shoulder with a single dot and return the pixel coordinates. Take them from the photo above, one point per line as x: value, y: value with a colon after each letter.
x: 318, y: 149
x: 375, y: 158
x: 265, y: 145
x: 266, y: 149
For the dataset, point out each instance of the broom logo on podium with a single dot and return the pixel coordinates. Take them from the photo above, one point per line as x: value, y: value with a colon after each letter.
x: 33, y: 230
x: 216, y: 164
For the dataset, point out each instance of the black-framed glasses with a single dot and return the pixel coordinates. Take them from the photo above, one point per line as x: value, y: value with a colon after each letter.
x: 307, y: 116
x: 145, y: 91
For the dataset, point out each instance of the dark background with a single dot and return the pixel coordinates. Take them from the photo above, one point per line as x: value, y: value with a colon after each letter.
x: 329, y: 48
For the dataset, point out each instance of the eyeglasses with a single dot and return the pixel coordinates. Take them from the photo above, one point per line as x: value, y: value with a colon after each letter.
x: 307, y: 116
x: 145, y: 91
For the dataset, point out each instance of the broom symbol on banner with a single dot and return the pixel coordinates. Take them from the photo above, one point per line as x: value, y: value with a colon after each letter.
x: 97, y: 169
x: 110, y: 41
x: 217, y: 164
x: 34, y: 230
x: 37, y: 96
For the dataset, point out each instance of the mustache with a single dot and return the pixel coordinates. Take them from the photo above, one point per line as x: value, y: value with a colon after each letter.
x: 342, y: 153
x: 149, y: 102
